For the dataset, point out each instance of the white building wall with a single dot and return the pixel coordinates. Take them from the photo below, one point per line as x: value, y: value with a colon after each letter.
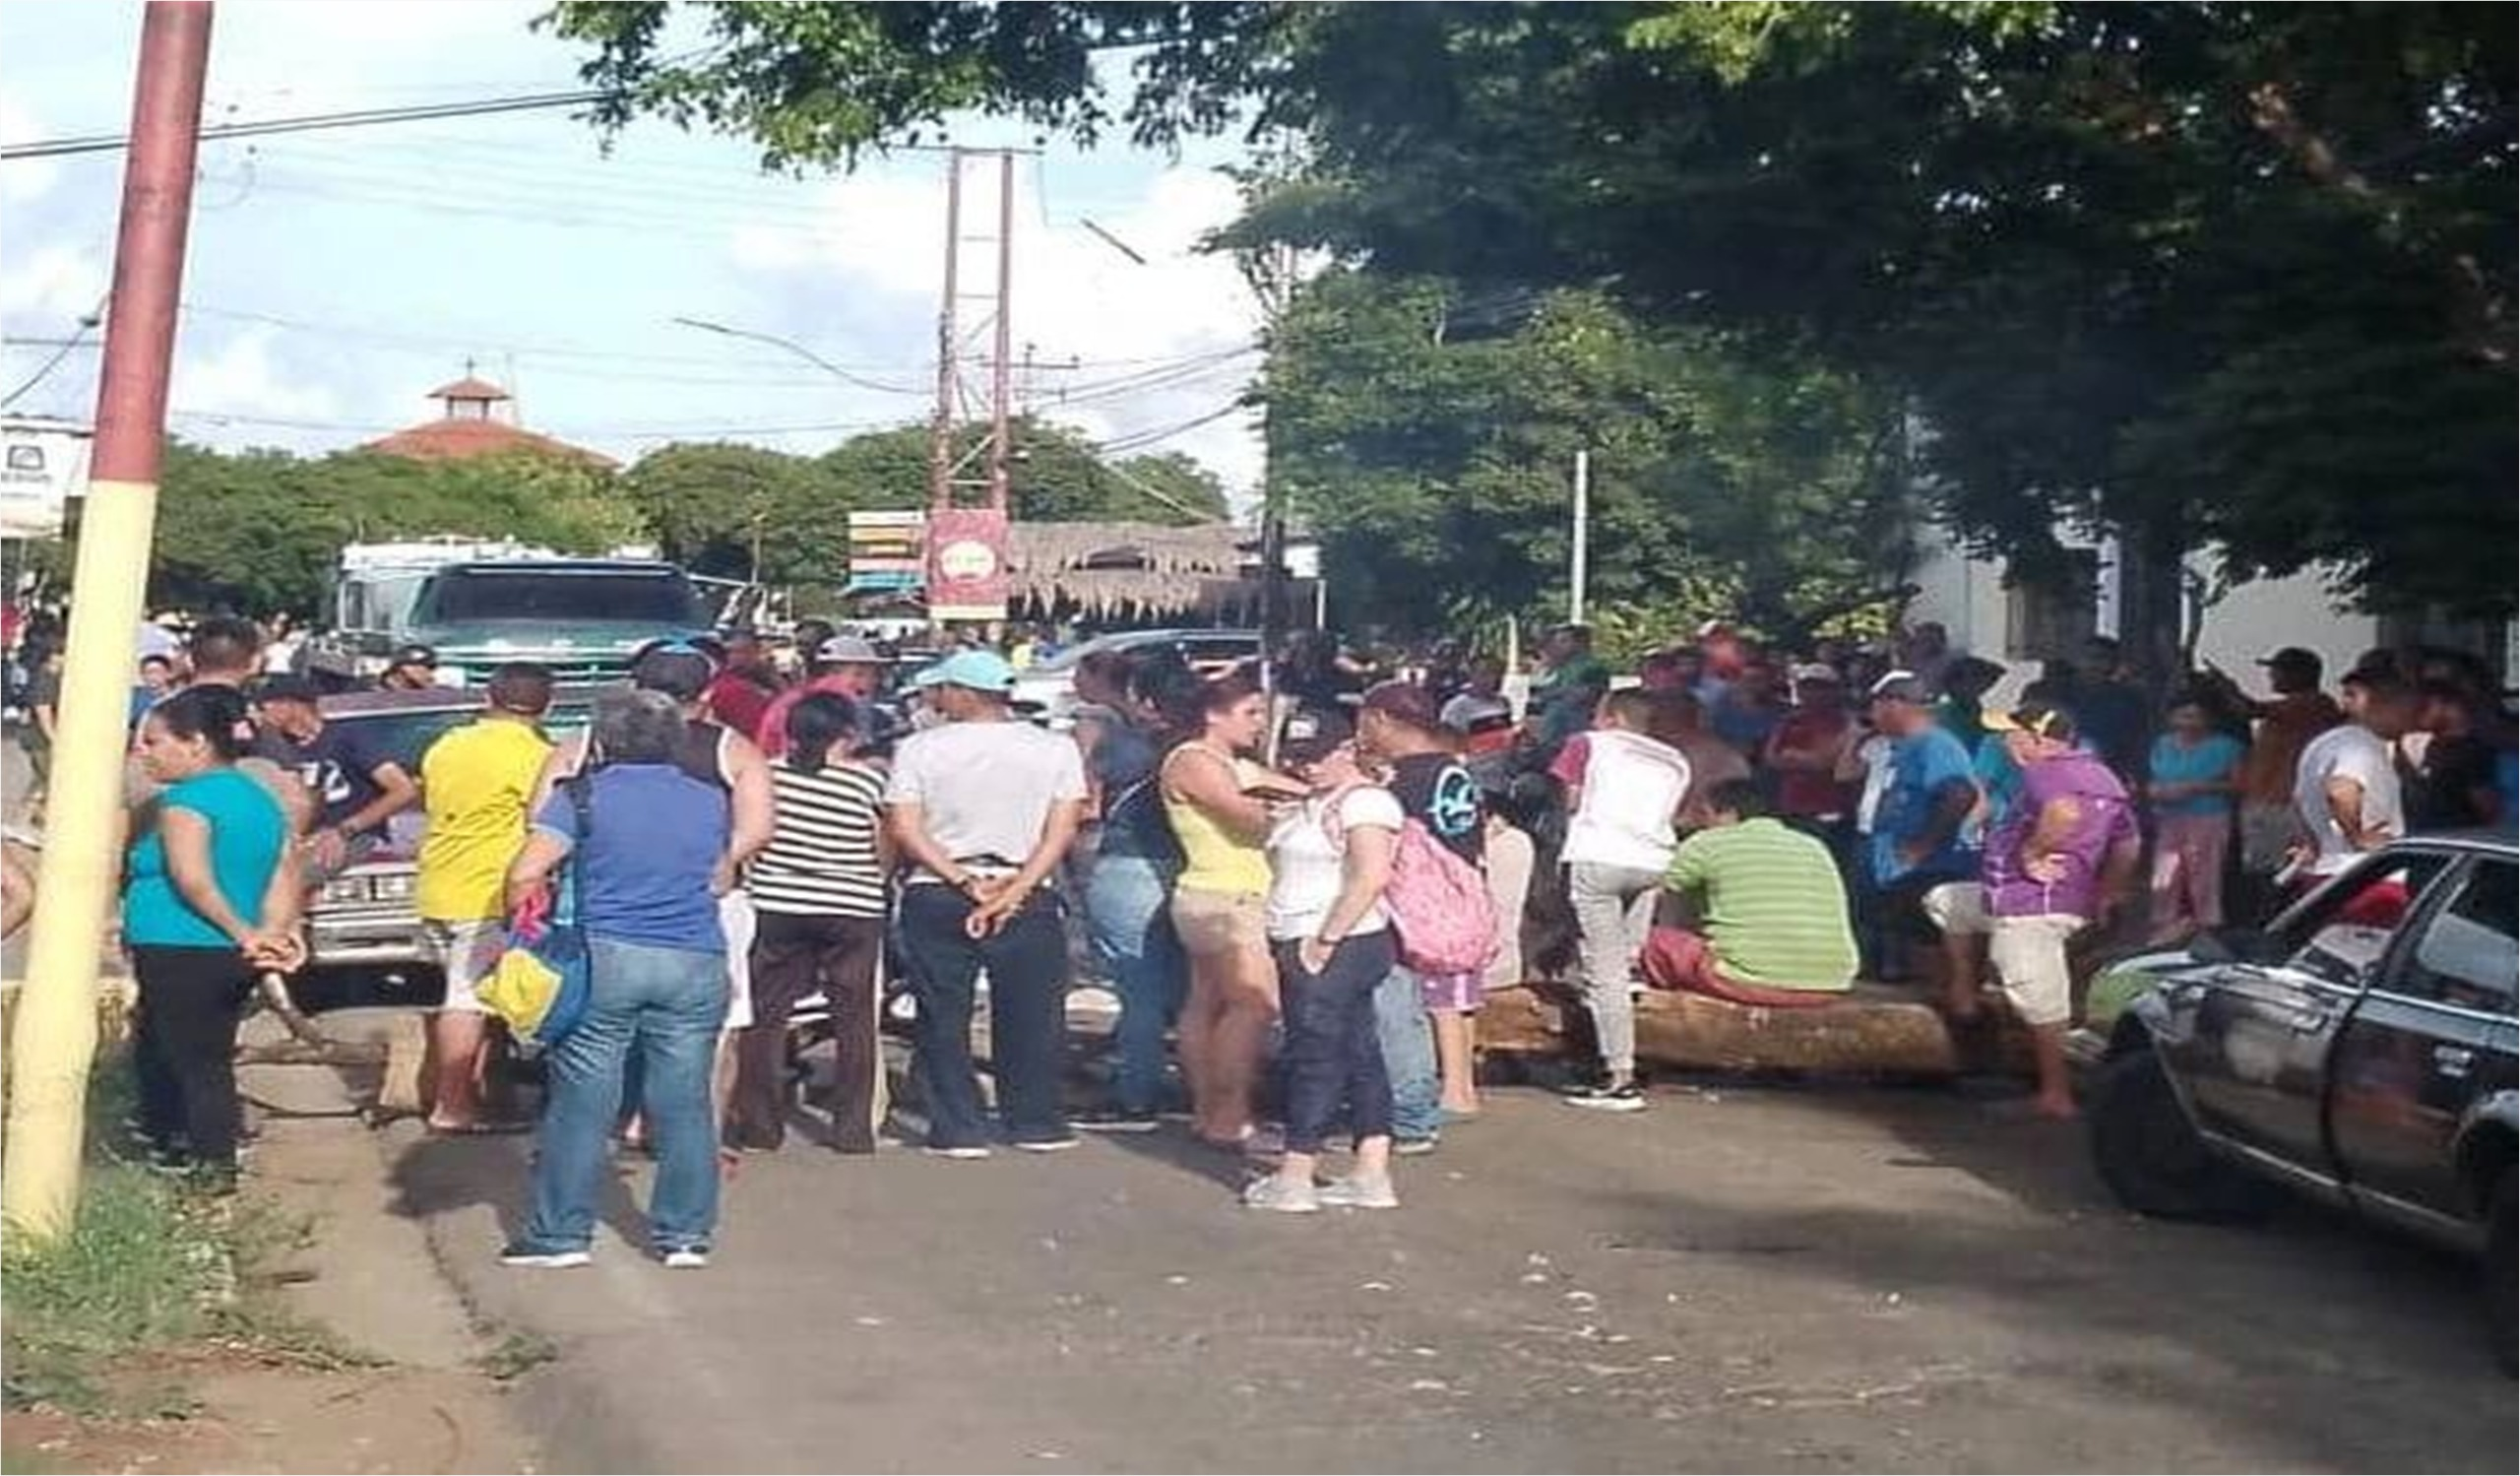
x: 1969, y: 597
x: 2266, y: 614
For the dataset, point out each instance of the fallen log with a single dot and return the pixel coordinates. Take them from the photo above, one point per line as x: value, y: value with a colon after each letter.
x: 1877, y: 1030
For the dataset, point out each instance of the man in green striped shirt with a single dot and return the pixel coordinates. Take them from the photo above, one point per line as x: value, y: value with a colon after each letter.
x: 1767, y: 910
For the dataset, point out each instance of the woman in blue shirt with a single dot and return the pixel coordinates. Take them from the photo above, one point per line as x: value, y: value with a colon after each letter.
x: 649, y: 855
x: 2195, y: 783
x: 208, y: 902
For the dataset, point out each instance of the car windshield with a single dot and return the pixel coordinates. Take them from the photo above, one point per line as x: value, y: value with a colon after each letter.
x: 649, y: 597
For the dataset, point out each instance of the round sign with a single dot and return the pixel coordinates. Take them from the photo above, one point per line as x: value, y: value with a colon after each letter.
x: 966, y: 560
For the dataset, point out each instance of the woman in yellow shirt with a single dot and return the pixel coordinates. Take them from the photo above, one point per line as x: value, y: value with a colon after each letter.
x: 1217, y: 801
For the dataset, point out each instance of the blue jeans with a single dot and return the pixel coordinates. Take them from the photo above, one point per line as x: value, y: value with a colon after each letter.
x: 1408, y: 1041
x: 669, y: 1004
x: 1128, y: 917
x: 1332, y: 1061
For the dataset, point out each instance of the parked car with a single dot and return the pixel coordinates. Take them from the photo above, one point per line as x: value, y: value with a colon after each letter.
x: 365, y: 917
x: 1049, y: 688
x: 2359, y: 1049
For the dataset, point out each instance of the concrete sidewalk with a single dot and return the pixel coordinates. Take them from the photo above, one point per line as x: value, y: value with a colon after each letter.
x: 1781, y: 1278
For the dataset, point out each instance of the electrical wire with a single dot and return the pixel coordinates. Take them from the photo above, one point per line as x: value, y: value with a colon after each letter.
x: 107, y: 142
x: 87, y: 325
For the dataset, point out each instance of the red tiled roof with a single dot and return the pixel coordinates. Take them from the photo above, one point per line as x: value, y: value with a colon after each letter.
x: 460, y: 440
x: 469, y: 388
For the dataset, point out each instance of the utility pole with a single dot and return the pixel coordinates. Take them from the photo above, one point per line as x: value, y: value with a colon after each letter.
x: 967, y: 519
x: 1276, y: 290
x: 940, y: 446
x: 1001, y: 367
x: 1580, y: 560
x: 54, y: 1040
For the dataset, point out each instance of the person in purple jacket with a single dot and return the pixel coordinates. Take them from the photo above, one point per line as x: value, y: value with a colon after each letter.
x: 2060, y: 860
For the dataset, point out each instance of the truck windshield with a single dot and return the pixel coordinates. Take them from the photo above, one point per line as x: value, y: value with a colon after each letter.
x: 644, y: 597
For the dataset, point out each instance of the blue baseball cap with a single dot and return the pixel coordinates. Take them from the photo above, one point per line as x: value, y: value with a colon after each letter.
x: 976, y: 671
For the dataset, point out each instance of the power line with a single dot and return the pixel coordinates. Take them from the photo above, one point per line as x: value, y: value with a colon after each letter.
x: 87, y: 325
x: 107, y: 142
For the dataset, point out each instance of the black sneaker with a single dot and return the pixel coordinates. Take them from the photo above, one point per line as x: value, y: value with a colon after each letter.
x: 1626, y: 1096
x: 1116, y: 1120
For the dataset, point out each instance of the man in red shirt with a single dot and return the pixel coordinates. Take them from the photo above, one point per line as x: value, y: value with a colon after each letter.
x: 1807, y: 748
x: 845, y: 665
x: 740, y: 695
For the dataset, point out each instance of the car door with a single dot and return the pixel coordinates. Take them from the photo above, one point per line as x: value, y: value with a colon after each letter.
x: 2432, y: 1037
x: 2254, y: 1039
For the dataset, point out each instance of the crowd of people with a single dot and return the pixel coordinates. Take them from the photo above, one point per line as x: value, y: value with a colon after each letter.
x: 1298, y: 883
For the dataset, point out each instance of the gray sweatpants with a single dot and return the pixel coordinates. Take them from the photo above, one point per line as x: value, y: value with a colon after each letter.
x: 1612, y: 929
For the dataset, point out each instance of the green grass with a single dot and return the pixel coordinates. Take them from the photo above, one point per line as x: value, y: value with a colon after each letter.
x: 148, y: 1266
x: 142, y: 1267
x: 517, y: 1354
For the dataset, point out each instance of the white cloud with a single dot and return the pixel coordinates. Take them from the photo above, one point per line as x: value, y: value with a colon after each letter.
x: 294, y: 56
x: 51, y: 287
x: 1151, y: 336
x: 239, y: 378
x: 22, y: 180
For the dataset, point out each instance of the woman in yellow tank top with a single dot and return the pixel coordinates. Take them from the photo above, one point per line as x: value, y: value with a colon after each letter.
x: 1219, y: 804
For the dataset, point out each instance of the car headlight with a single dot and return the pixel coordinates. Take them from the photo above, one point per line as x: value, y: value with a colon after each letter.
x: 394, y: 887
x: 345, y: 889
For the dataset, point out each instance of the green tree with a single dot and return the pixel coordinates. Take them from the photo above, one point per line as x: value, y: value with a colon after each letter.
x: 2215, y: 275
x: 1437, y: 470
x: 1056, y: 476
x: 737, y: 511
x: 262, y: 530
x: 2223, y: 274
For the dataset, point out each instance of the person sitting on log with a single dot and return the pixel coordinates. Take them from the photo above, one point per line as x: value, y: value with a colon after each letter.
x: 1766, y: 909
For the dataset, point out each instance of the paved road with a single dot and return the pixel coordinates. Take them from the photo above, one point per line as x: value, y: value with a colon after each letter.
x: 1771, y: 1278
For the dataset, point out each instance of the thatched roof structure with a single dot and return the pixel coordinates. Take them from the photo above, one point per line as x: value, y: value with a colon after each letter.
x: 1106, y: 571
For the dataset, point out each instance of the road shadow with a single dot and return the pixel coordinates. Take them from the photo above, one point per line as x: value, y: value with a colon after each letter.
x: 2292, y: 1350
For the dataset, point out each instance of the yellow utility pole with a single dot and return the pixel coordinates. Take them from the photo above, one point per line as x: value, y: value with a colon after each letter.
x: 53, y: 1041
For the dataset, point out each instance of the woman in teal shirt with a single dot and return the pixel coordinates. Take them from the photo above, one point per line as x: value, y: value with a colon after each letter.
x: 2195, y: 784
x: 208, y: 902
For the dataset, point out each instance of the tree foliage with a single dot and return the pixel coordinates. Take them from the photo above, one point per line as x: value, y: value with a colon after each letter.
x: 2226, y: 275
x: 261, y: 532
x: 2235, y: 274
x: 818, y: 84
x: 1438, y: 470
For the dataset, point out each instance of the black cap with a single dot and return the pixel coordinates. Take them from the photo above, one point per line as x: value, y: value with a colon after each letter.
x: 414, y: 656
x: 1902, y: 686
x: 2294, y: 658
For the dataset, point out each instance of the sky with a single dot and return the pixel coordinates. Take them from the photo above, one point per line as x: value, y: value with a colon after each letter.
x: 335, y: 278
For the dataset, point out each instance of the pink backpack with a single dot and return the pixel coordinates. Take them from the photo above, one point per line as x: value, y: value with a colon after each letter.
x: 1447, y: 920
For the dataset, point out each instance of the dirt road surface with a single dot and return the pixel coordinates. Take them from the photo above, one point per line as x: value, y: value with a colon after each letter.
x: 1795, y: 1278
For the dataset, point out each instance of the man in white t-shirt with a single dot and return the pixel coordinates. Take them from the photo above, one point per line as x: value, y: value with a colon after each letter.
x: 982, y: 809
x: 1623, y: 808
x: 2346, y: 793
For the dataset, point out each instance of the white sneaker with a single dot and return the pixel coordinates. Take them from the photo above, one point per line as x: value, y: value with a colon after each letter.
x: 545, y: 1260
x: 961, y: 1152
x: 1356, y: 1191
x: 1281, y: 1194
x: 687, y: 1259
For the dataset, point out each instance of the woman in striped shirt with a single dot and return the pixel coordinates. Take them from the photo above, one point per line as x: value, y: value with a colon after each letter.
x: 819, y: 890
